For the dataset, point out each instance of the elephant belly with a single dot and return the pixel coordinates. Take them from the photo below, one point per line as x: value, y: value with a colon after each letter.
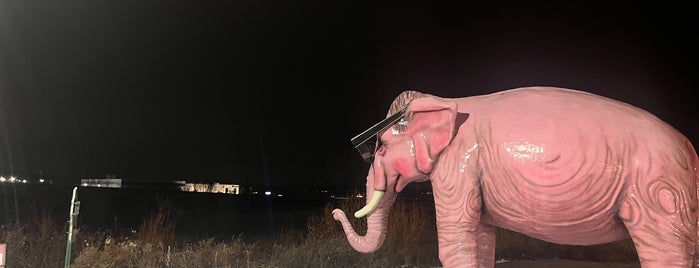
x: 582, y: 232
x: 566, y: 209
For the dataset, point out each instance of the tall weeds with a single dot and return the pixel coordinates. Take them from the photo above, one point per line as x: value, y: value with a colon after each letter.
x: 411, y: 242
x: 158, y: 228
x: 39, y: 243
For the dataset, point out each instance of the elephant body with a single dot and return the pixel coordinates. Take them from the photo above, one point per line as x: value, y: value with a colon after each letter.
x: 560, y: 165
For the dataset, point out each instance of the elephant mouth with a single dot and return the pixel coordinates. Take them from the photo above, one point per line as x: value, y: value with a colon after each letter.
x: 371, y: 205
x: 376, y: 197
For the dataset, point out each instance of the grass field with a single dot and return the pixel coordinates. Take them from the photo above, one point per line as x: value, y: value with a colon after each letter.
x: 411, y: 242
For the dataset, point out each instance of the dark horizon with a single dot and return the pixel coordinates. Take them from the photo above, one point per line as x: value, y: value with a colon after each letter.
x: 271, y: 94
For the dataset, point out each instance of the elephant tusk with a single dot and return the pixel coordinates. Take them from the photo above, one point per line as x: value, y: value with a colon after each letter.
x: 371, y: 206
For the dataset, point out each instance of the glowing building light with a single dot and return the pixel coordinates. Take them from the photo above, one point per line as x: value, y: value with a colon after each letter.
x: 268, y: 193
x: 2, y: 179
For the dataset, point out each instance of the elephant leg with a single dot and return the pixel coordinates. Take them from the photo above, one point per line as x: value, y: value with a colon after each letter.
x: 485, y: 240
x: 458, y: 214
x: 660, y: 246
x: 457, y: 244
x: 662, y: 222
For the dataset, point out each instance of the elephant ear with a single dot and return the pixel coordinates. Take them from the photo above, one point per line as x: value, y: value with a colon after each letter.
x: 431, y: 124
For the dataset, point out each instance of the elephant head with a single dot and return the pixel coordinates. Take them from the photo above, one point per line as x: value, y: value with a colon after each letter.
x: 406, y: 152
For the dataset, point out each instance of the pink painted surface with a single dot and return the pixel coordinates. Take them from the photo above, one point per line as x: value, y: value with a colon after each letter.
x: 2, y: 255
x: 560, y: 165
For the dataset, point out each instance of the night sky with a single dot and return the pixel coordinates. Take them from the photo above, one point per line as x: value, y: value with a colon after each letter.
x: 271, y: 92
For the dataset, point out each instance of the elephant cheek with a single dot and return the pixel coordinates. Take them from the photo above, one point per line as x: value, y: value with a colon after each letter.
x: 406, y: 170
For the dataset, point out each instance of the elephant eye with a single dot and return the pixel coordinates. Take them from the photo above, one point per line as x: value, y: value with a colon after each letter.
x: 366, y: 150
x: 400, y: 127
x: 364, y: 142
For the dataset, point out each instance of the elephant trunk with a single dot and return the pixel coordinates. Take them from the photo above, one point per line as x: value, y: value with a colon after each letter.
x: 377, y: 226
x: 377, y: 219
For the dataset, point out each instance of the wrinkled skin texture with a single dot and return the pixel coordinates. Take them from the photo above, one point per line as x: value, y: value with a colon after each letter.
x: 559, y: 165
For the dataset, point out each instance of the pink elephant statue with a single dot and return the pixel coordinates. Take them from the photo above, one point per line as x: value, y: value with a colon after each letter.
x: 560, y: 165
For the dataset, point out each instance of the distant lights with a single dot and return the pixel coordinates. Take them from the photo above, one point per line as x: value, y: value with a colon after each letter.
x: 13, y: 179
x: 269, y: 193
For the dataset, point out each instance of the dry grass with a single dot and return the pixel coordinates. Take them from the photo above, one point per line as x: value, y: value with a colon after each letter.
x: 39, y: 244
x: 322, y: 244
x: 158, y: 228
x: 411, y: 242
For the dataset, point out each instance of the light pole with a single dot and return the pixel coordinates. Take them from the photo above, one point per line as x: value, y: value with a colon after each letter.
x: 74, y: 211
